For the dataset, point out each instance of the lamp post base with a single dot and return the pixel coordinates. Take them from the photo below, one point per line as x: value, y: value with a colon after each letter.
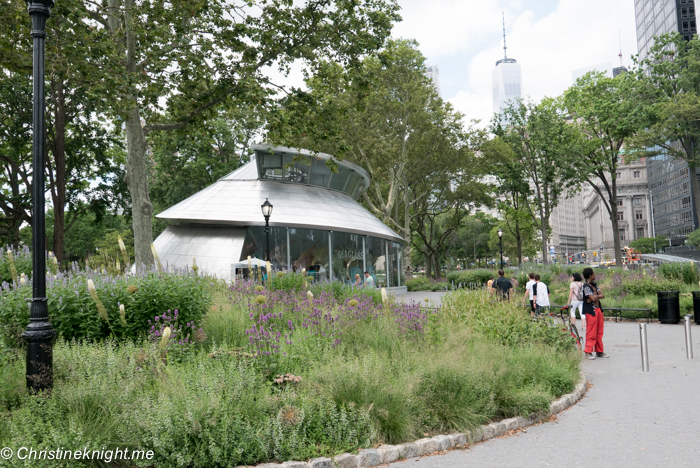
x: 39, y: 336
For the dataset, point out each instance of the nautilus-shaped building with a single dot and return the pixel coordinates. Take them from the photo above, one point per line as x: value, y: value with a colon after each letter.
x: 316, y: 222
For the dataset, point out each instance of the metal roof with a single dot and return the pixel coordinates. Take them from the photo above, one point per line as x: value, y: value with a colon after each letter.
x: 235, y: 201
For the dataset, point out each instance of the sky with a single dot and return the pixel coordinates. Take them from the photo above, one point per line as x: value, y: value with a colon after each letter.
x: 548, y: 38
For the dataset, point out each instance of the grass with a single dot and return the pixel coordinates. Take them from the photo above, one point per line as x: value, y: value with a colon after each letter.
x: 369, y: 374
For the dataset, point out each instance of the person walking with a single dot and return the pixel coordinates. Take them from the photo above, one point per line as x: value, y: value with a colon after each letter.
x: 358, y: 280
x: 369, y: 281
x: 502, y: 285
x: 540, y: 296
x: 576, y: 302
x: 595, y: 321
x: 528, y: 292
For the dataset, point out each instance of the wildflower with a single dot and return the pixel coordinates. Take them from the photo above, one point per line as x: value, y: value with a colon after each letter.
x: 156, y: 257
x: 122, y: 314
x: 122, y: 247
x: 100, y: 307
x: 259, y: 288
x: 310, y: 295
x: 132, y: 289
x: 352, y: 302
x: 23, y: 279
x: 13, y: 270
x: 260, y: 299
x: 164, y: 340
x: 427, y: 300
x: 195, y: 268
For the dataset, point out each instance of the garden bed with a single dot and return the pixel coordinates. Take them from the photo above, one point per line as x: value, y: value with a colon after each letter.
x: 280, y: 375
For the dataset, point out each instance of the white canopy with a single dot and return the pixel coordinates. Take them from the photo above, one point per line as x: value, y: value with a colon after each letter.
x: 256, y: 262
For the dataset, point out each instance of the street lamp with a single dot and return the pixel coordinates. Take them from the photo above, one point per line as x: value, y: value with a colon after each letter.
x: 267, y: 211
x: 500, y: 244
x: 39, y: 333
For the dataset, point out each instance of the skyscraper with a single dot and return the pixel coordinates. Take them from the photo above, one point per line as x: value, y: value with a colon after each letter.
x: 433, y: 72
x: 506, y: 79
x: 673, y: 207
x: 656, y: 17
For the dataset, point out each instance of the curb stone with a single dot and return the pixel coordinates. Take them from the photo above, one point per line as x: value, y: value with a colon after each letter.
x: 390, y: 453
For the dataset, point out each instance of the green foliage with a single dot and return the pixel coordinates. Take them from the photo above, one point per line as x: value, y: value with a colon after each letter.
x: 467, y: 277
x: 286, y: 281
x: 685, y: 272
x: 648, y: 244
x: 23, y: 263
x: 74, y: 314
x: 342, y: 292
x: 11, y: 378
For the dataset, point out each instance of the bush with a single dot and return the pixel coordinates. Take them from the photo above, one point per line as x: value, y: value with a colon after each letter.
x: 74, y: 314
x: 286, y: 281
x: 649, y: 285
x: 417, y: 284
x: 342, y: 292
x: 467, y: 277
x: 22, y: 260
x: 685, y: 272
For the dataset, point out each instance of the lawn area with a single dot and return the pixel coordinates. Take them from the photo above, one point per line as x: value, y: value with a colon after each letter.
x: 279, y: 373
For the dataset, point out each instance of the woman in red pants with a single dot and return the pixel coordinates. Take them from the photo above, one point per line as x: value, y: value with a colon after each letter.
x: 595, y: 322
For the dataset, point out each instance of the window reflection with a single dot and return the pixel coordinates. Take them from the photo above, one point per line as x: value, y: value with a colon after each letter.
x: 309, y: 250
x: 375, y: 257
x: 347, y: 257
x: 255, y: 244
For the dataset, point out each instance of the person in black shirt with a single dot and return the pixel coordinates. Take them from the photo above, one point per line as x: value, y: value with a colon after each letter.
x: 595, y: 322
x: 502, y: 285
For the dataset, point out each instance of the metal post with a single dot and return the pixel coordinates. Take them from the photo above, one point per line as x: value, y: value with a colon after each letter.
x: 688, y: 338
x: 645, y: 346
x: 39, y: 333
x: 364, y: 257
x: 330, y: 255
x: 289, y: 252
x: 500, y: 244
x: 267, y: 238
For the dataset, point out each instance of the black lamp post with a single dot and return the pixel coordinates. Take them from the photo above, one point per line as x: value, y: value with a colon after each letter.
x: 39, y: 333
x: 267, y: 211
x: 500, y: 244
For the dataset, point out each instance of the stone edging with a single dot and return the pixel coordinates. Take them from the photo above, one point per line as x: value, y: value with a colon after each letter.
x: 440, y: 443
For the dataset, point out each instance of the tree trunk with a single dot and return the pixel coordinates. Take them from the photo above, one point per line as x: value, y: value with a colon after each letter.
x: 544, y: 239
x: 437, y: 271
x: 615, y: 225
x: 137, y: 183
x: 59, y: 157
x: 428, y: 265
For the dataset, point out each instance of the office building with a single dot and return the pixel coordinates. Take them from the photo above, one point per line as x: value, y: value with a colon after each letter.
x: 507, y: 80
x: 633, y: 210
x: 433, y: 72
x: 672, y: 204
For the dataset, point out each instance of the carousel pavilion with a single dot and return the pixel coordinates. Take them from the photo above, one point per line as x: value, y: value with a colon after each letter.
x: 316, y: 222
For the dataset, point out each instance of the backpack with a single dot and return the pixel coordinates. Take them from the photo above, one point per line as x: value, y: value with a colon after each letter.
x: 579, y: 294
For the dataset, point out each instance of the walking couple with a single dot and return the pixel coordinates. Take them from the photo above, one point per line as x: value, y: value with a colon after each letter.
x: 586, y: 296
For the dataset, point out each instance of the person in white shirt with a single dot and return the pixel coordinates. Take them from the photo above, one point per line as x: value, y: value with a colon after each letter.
x: 528, y: 293
x: 369, y: 281
x: 540, y: 296
x: 576, y: 301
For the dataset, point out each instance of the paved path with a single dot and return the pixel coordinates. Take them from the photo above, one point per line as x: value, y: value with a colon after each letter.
x: 628, y: 418
x: 420, y: 296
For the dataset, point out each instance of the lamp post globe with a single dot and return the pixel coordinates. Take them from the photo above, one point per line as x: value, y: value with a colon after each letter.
x: 500, y: 244
x: 267, y: 212
x: 39, y: 334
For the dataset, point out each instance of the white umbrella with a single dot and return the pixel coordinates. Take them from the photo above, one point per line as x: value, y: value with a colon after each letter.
x: 255, y: 262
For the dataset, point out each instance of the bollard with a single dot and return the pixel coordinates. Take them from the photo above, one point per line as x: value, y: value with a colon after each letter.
x: 645, y: 347
x: 688, y: 338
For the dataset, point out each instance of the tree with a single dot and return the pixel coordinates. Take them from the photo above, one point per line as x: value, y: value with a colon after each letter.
x: 471, y: 240
x: 604, y: 110
x: 543, y: 144
x: 15, y: 154
x: 448, y: 201
x: 78, y: 145
x: 669, y: 96
x: 650, y: 245
x: 386, y: 117
x: 513, y: 192
x: 186, y: 161
x: 197, y: 55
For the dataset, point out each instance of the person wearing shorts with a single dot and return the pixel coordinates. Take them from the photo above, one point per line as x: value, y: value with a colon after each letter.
x: 528, y: 293
x: 576, y: 302
x: 540, y: 296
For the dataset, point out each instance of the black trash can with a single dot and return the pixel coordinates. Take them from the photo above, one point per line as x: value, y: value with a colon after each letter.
x: 696, y: 306
x: 669, y: 306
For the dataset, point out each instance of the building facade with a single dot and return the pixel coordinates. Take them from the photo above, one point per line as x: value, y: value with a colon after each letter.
x: 568, y: 237
x: 634, y: 211
x: 507, y: 83
x: 433, y: 72
x: 671, y: 202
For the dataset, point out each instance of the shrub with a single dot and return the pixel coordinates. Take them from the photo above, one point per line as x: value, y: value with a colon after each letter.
x: 74, y: 314
x: 685, y: 272
x: 417, y: 284
x: 342, y: 292
x: 649, y: 285
x: 22, y: 260
x: 286, y: 281
x: 466, y: 277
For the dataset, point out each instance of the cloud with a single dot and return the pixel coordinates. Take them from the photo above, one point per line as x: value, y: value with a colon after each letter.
x: 549, y: 39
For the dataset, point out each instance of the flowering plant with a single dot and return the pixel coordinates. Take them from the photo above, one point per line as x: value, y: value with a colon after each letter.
x: 172, y: 337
